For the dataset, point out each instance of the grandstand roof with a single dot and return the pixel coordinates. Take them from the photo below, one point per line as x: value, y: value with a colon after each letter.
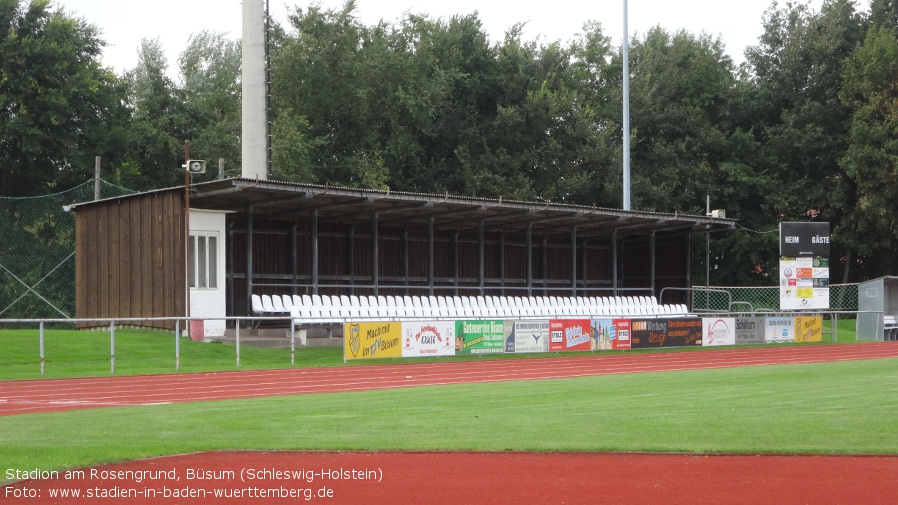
x: 290, y: 201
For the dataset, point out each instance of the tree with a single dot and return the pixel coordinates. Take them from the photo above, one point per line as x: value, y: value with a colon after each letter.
x: 871, y: 158
x: 682, y: 88
x: 798, y: 119
x: 160, y: 123
x: 59, y: 108
x: 316, y: 93
x: 210, y: 67
x: 884, y: 13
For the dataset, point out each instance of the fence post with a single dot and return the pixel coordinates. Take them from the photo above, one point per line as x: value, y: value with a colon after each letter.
x: 292, y: 343
x: 237, y: 344
x: 834, y: 336
x: 41, y: 331
x: 177, y: 344
x: 112, y: 347
x: 97, y: 177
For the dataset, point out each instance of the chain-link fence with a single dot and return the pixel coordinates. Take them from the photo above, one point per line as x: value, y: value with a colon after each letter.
x: 37, y: 252
x: 716, y: 298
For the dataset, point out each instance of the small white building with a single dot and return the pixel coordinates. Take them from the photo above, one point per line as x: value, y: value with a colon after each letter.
x: 206, y: 273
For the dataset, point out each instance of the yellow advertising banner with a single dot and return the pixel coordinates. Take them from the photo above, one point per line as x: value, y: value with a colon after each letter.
x: 372, y: 340
x: 809, y: 329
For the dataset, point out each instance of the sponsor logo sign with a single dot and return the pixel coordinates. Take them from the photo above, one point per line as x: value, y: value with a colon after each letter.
x: 479, y: 337
x: 809, y: 329
x: 604, y: 334
x: 369, y: 340
x: 622, y: 334
x: 749, y: 330
x: 527, y: 336
x: 779, y: 329
x: 804, y: 283
x: 673, y: 332
x: 718, y: 331
x: 569, y: 335
x: 428, y: 338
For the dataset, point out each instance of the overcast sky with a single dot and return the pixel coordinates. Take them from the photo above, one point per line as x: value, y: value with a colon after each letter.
x: 124, y: 23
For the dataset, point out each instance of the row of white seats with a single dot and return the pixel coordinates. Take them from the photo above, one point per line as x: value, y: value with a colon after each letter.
x: 318, y: 309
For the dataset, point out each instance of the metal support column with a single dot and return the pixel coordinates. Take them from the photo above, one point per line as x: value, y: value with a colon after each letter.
x: 405, y: 259
x: 248, y: 250
x: 481, y: 273
x: 350, y: 267
x: 614, y: 246
x: 229, y: 271
x: 689, y: 267
x: 375, y: 255
x: 652, y: 261
x: 502, y: 264
x: 294, y: 261
x: 584, y: 267
x: 529, y: 240
x: 574, y: 261
x: 455, y: 260
x: 314, y: 252
x: 545, y: 266
x: 430, y: 256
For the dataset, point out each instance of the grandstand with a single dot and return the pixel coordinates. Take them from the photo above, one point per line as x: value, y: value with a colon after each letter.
x: 253, y: 238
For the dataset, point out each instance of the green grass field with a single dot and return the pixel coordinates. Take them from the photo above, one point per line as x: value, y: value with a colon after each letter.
x: 846, y: 407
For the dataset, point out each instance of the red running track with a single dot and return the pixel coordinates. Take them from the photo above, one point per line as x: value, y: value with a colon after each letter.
x: 451, y: 478
x: 49, y: 395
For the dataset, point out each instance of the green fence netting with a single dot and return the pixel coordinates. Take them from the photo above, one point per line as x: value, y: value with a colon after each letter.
x: 37, y: 252
x: 842, y: 297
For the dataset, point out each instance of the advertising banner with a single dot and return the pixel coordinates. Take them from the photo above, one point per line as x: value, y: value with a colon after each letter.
x: 809, y: 329
x: 804, y: 283
x: 718, y: 331
x: 684, y: 332
x: 479, y: 337
x: 779, y: 329
x: 428, y: 338
x: 621, y: 329
x: 527, y: 336
x: 603, y: 334
x: 569, y: 335
x: 674, y: 332
x: 372, y: 340
x: 749, y: 330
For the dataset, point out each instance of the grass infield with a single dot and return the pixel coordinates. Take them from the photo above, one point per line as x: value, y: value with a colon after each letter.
x: 842, y: 408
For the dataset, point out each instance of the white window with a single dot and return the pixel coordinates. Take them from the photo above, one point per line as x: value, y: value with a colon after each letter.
x: 204, y: 260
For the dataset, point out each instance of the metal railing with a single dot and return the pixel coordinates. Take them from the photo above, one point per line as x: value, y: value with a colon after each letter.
x: 292, y: 329
x: 121, y: 323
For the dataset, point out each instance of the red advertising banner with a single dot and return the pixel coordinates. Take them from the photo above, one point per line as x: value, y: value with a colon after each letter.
x: 569, y: 335
x: 622, y: 334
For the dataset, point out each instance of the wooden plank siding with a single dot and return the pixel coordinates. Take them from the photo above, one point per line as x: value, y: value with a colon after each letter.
x: 130, y: 259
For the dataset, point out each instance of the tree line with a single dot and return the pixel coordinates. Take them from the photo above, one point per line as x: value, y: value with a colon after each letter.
x: 806, y: 129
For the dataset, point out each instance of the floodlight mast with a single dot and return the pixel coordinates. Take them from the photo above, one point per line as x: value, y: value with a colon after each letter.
x: 254, y: 90
x: 626, y: 127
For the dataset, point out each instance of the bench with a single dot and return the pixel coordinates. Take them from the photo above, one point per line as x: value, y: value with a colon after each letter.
x: 889, y: 328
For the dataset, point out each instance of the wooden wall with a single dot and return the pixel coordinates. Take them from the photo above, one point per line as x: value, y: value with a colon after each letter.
x: 129, y: 258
